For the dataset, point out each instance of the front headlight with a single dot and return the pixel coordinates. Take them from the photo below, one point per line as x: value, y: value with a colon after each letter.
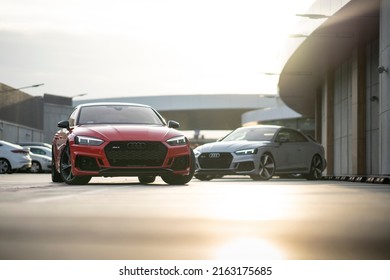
x: 90, y: 141
x: 177, y: 141
x: 246, y: 152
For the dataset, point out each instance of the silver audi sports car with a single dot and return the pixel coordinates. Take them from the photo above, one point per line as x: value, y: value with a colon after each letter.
x: 261, y: 152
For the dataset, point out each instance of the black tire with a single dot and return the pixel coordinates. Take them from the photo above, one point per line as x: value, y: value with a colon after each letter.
x: 5, y: 166
x: 146, y: 179
x: 36, y: 167
x: 316, y: 168
x: 266, y: 168
x: 181, y: 179
x: 204, y: 177
x: 66, y: 170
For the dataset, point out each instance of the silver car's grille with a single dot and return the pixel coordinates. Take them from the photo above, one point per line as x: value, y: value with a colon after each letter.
x: 215, y: 160
x: 135, y: 153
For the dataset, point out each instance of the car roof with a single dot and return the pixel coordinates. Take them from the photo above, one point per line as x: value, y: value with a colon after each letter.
x: 37, y: 144
x: 112, y: 104
x: 263, y: 126
x: 9, y: 144
x: 38, y: 147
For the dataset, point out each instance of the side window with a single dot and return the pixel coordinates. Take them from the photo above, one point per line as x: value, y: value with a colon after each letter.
x: 35, y: 151
x: 298, y: 137
x: 283, y: 136
x: 290, y: 136
x: 72, y: 118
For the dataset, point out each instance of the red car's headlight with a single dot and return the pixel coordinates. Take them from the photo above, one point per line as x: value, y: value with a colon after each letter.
x: 90, y: 141
x: 177, y: 141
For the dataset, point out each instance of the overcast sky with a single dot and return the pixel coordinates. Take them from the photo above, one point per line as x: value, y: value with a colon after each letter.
x: 144, y: 47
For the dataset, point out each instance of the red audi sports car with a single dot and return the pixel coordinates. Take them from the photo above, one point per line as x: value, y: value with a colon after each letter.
x: 120, y: 139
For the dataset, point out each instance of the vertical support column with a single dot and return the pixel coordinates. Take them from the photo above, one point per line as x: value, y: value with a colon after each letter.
x: 384, y: 89
x: 358, y: 149
x: 328, y: 121
x: 318, y: 116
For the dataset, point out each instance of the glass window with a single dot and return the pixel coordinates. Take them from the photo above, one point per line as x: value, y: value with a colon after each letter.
x: 72, y: 118
x: 37, y: 151
x: 287, y: 135
x: 251, y: 134
x: 118, y: 114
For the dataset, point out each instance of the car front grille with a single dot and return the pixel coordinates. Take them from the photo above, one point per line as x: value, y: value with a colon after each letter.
x: 215, y: 160
x: 135, y: 153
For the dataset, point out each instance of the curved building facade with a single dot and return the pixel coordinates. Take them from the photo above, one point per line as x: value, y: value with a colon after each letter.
x: 336, y: 71
x: 213, y: 111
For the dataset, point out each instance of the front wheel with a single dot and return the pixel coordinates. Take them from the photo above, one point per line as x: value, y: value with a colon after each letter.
x: 66, y: 170
x: 316, y: 168
x: 146, y: 179
x: 204, y: 177
x: 5, y: 167
x: 266, y: 168
x: 35, y: 167
x: 173, y: 179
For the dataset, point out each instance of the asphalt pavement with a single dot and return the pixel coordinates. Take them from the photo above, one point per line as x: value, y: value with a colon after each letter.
x: 228, y: 218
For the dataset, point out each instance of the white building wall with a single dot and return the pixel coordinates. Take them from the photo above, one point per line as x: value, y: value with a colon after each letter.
x: 15, y: 133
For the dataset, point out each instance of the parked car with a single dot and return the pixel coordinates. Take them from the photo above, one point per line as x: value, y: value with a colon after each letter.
x: 40, y: 150
x: 13, y: 157
x: 120, y: 139
x: 261, y: 152
x: 41, y: 159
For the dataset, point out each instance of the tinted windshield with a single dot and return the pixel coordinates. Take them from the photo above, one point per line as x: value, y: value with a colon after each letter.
x: 251, y: 134
x: 118, y: 114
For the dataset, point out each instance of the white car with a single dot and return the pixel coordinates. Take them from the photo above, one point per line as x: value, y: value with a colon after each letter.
x: 41, y: 159
x: 13, y: 157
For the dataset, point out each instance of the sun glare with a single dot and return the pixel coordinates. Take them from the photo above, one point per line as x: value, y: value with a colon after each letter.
x: 268, y: 204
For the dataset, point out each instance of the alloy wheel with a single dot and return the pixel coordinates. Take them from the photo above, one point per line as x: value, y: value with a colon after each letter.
x: 66, y: 165
x: 267, y: 167
x: 316, y: 168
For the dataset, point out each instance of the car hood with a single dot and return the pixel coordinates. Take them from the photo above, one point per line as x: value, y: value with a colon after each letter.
x: 127, y: 132
x: 230, y: 146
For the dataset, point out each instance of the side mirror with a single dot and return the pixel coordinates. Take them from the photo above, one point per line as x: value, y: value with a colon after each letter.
x: 63, y: 124
x: 173, y: 124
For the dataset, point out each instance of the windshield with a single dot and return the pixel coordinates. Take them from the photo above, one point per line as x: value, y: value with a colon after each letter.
x: 118, y: 114
x: 251, y: 134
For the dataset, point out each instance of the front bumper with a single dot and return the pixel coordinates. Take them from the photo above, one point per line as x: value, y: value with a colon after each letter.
x: 92, y: 161
x: 229, y: 165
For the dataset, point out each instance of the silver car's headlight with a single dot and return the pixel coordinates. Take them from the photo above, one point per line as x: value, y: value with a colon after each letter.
x: 246, y: 152
x: 177, y: 141
x: 196, y: 153
x: 89, y: 141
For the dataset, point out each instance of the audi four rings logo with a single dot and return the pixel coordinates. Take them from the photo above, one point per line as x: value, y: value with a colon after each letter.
x: 136, y: 145
x: 214, y: 155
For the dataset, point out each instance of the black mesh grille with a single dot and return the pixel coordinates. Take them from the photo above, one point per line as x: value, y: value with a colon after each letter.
x: 181, y: 163
x: 215, y: 160
x: 135, y: 153
x: 246, y: 166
